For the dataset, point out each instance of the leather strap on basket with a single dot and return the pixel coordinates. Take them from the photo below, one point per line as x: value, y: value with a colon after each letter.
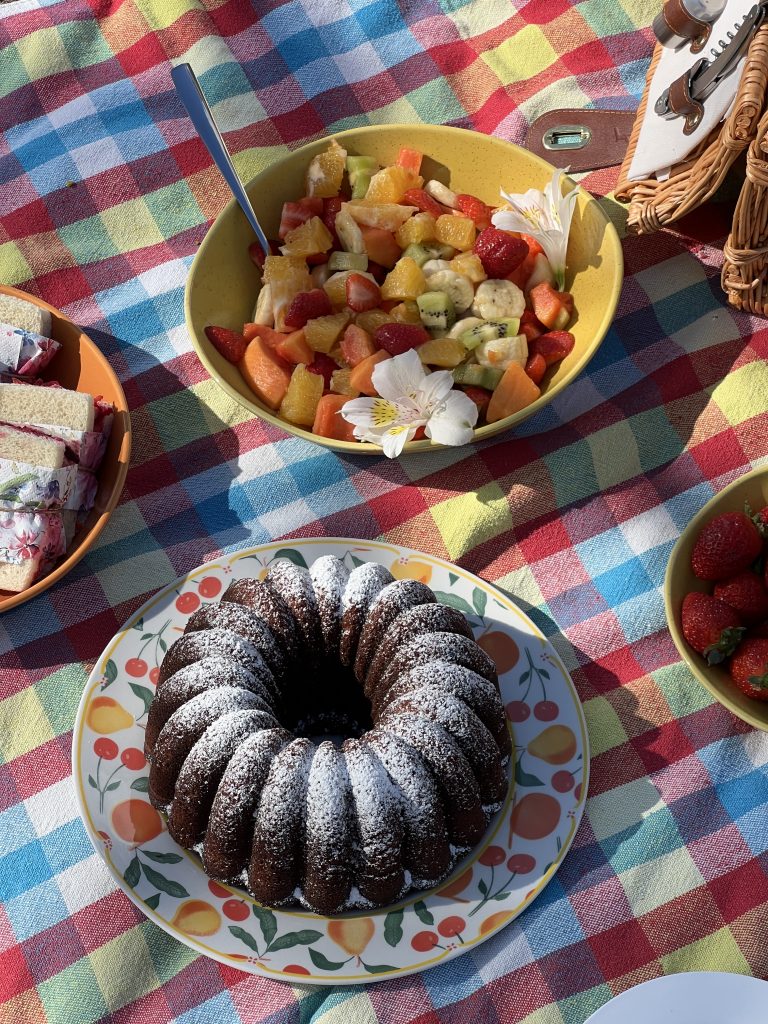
x: 684, y: 105
x: 682, y: 23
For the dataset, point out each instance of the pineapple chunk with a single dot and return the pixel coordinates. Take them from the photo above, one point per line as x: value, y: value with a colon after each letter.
x: 341, y: 384
x: 419, y: 228
x: 446, y: 352
x: 300, y: 402
x: 379, y: 215
x: 406, y: 313
x: 405, y: 281
x: 323, y: 332
x: 325, y: 172
x: 372, y: 319
x: 286, y: 277
x: 390, y: 184
x: 468, y: 264
x: 307, y: 239
x: 456, y: 231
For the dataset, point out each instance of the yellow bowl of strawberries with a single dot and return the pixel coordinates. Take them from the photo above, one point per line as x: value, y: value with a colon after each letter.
x: 389, y: 249
x: 716, y: 597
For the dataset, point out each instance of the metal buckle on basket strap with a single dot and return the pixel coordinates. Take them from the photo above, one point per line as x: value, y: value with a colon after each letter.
x: 686, y: 95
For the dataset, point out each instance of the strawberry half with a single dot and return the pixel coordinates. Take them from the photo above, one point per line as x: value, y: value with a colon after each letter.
x: 475, y: 209
x: 229, y: 343
x: 423, y: 201
x: 306, y: 306
x: 499, y: 252
x: 746, y: 594
x: 711, y: 627
x: 323, y: 366
x: 553, y: 346
x: 398, y: 338
x: 725, y: 546
x: 536, y: 367
x: 749, y: 668
x: 362, y: 293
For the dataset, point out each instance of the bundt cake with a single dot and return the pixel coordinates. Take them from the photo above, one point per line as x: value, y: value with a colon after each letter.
x: 327, y: 737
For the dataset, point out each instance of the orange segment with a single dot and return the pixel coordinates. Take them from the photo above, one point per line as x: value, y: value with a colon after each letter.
x: 390, y: 184
x: 307, y: 239
x: 325, y: 172
x: 459, y: 232
x: 301, y: 399
x: 405, y: 281
x: 323, y: 332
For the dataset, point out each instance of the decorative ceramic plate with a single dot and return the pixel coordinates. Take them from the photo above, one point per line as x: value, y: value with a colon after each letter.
x: 518, y: 856
x: 698, y: 997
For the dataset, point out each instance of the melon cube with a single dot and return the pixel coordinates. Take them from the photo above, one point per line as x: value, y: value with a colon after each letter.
x: 305, y: 390
x: 323, y: 332
x: 459, y: 232
x: 265, y: 373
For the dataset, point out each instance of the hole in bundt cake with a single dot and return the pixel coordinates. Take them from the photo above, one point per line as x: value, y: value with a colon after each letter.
x: 336, y: 708
x: 327, y: 736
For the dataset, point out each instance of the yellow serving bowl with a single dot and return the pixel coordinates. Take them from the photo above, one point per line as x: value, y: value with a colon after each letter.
x: 680, y: 580
x: 223, y: 283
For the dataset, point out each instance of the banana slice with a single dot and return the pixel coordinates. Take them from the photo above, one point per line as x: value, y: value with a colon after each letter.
x: 494, y: 300
x: 442, y: 194
x: 456, y: 286
x: 500, y: 352
x: 264, y: 312
x: 434, y: 266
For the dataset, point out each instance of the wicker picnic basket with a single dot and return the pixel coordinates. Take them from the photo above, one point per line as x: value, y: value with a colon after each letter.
x: 654, y: 204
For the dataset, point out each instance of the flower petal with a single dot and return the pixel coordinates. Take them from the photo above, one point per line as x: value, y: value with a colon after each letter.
x: 434, y: 388
x: 454, y: 422
x: 399, y: 376
x: 358, y: 411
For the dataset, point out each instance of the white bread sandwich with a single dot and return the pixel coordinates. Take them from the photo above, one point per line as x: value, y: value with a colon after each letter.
x: 28, y: 316
x: 31, y: 404
x: 34, y: 449
x: 30, y: 449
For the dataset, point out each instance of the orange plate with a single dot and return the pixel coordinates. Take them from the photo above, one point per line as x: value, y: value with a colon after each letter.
x: 81, y: 366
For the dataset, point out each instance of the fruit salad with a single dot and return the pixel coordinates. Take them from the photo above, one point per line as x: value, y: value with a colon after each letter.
x: 373, y: 262
x: 730, y: 624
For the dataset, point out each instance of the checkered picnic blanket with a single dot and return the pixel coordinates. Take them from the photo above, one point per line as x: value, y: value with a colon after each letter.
x: 105, y: 195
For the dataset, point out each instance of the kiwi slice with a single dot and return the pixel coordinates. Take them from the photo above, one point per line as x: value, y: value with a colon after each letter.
x: 348, y: 261
x: 489, y: 331
x: 417, y: 253
x: 478, y: 376
x: 436, y: 310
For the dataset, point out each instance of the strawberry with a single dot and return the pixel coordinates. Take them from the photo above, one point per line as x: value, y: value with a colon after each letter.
x: 749, y: 668
x: 711, y: 627
x: 323, y: 366
x: 306, y: 306
x: 376, y: 270
x: 725, y: 546
x: 230, y: 344
x: 553, y: 346
x: 475, y: 209
x: 295, y: 214
x: 331, y: 207
x: 257, y: 256
x: 397, y: 338
x: 362, y: 293
x: 479, y: 396
x: 529, y: 325
x: 499, y: 252
x: 536, y: 367
x: 424, y: 201
x: 746, y: 594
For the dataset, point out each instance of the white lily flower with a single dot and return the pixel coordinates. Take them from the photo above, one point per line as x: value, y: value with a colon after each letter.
x: 411, y: 398
x: 545, y: 216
